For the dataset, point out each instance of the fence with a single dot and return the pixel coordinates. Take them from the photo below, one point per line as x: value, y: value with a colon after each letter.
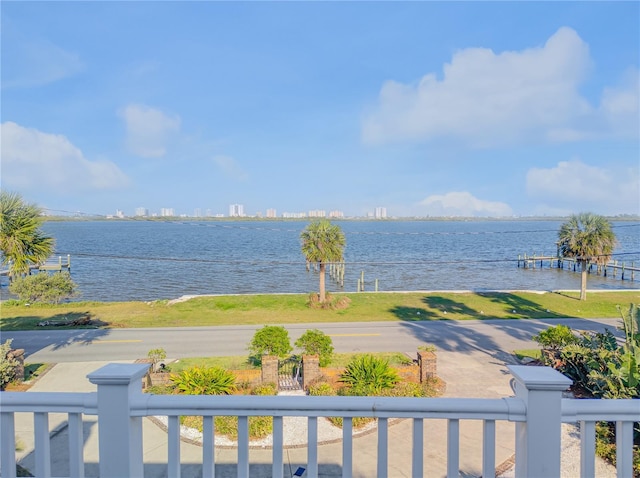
x: 537, y: 409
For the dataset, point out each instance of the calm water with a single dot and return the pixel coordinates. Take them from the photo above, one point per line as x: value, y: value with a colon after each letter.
x: 147, y: 260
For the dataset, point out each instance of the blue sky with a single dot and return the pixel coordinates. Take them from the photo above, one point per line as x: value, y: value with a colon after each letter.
x: 425, y: 108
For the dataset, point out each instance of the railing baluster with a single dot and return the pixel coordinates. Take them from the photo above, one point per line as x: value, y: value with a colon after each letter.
x: 383, y: 447
x: 8, y: 440
x: 243, y: 447
x: 489, y: 448
x: 173, y: 435
x: 76, y: 445
x: 587, y: 449
x: 312, y: 447
x: 278, y: 445
x: 417, y: 454
x: 624, y: 449
x: 347, y: 447
x: 208, y: 448
x: 42, y: 444
x: 453, y: 448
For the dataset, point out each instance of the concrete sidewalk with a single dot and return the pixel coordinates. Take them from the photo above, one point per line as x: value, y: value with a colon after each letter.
x: 467, y: 375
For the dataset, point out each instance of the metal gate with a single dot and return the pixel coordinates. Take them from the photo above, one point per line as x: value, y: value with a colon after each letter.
x: 290, y: 373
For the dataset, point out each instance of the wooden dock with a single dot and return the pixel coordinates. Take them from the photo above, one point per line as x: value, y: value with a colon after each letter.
x: 51, y: 265
x: 612, y: 268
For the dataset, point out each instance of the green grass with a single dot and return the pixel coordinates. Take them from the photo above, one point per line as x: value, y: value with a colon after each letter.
x: 528, y: 353
x: 288, y: 309
x: 241, y: 362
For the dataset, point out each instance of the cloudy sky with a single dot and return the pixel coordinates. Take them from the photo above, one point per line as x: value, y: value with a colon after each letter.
x: 425, y: 108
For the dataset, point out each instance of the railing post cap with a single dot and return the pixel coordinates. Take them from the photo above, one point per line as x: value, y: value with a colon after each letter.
x: 118, y: 373
x: 539, y: 378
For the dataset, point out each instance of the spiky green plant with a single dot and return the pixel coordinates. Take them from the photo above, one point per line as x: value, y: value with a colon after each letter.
x: 369, y: 375
x: 205, y: 381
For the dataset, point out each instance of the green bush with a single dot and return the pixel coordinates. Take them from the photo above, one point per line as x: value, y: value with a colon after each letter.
x: 7, y: 365
x: 368, y: 375
x: 265, y: 389
x: 316, y: 342
x: 44, y: 287
x: 556, y: 337
x: 321, y: 389
x: 270, y: 340
x: 205, y: 381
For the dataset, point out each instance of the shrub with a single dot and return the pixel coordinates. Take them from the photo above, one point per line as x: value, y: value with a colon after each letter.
x: 316, y: 342
x: 265, y: 389
x: 43, y: 287
x: 270, y: 340
x: 7, y: 365
x: 556, y: 337
x: 368, y: 375
x: 321, y: 389
x: 205, y: 381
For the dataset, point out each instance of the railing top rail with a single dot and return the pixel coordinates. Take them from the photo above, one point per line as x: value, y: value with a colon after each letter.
x: 511, y: 409
x: 597, y: 409
x: 53, y: 402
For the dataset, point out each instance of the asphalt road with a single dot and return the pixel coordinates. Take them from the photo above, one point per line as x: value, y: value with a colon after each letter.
x: 491, y: 336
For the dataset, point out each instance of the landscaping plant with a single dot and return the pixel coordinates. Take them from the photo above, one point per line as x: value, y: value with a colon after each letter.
x: 316, y: 342
x: 368, y: 375
x: 205, y: 381
x: 270, y: 340
x: 44, y: 287
x: 7, y: 365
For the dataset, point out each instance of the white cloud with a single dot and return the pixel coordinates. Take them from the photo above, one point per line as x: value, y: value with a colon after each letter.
x: 573, y: 186
x: 462, y: 203
x: 620, y: 106
x: 488, y: 98
x: 149, y: 130
x: 230, y: 167
x: 32, y: 159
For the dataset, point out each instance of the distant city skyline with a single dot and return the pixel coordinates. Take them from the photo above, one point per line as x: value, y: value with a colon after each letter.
x: 448, y: 109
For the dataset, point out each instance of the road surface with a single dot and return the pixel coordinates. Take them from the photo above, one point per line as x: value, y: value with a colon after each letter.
x: 490, y: 336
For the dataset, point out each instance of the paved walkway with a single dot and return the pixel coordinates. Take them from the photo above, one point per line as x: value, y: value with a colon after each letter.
x: 475, y: 374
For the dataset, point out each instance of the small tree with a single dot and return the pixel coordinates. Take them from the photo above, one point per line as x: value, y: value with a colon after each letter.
x: 369, y: 375
x: 316, y: 342
x: 43, y: 287
x: 588, y: 239
x: 322, y: 242
x: 270, y: 340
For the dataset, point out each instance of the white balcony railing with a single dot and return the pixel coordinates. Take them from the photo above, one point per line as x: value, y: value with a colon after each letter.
x: 538, y: 410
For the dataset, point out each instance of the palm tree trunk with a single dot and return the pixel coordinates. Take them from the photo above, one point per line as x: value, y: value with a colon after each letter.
x: 583, y: 280
x: 322, y: 291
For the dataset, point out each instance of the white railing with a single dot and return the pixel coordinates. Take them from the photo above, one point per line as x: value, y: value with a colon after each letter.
x: 538, y: 410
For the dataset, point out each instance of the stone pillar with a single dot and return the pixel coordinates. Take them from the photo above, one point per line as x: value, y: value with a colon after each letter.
x: 18, y: 356
x: 270, y: 369
x: 310, y: 370
x: 427, y: 362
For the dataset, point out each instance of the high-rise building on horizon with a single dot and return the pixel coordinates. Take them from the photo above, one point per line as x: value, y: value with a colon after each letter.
x: 167, y: 212
x: 317, y: 213
x: 380, y: 213
x: 336, y: 214
x: 142, y: 212
x: 271, y: 213
x: 236, y: 210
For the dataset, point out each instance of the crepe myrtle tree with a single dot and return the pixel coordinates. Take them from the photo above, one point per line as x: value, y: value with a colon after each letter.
x: 322, y: 242
x: 587, y: 238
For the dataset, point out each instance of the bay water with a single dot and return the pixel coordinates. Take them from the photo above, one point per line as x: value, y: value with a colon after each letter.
x: 149, y: 260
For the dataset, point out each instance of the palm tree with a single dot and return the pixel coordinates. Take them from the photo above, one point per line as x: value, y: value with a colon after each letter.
x: 588, y: 239
x: 322, y: 242
x: 22, y: 243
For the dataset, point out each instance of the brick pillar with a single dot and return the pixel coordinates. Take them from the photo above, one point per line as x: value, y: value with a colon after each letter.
x: 18, y: 356
x: 310, y: 369
x: 270, y: 369
x: 427, y: 363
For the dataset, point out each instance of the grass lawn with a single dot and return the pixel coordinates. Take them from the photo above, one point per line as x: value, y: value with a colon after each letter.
x: 241, y: 362
x: 528, y: 353
x: 287, y: 309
